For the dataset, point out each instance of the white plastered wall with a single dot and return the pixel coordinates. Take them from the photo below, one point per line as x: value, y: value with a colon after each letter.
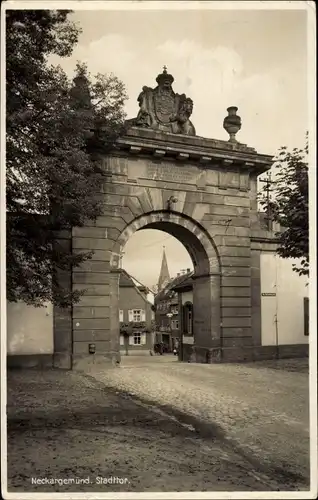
x: 187, y: 297
x: 29, y: 329
x: 286, y: 306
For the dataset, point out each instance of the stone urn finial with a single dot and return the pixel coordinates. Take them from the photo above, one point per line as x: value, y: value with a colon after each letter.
x: 232, y: 123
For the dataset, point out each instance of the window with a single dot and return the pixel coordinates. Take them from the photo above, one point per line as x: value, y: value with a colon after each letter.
x: 137, y: 338
x: 137, y: 315
x: 174, y: 310
x: 121, y: 315
x: 188, y: 318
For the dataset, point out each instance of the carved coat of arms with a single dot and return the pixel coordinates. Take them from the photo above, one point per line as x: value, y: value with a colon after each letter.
x: 162, y: 109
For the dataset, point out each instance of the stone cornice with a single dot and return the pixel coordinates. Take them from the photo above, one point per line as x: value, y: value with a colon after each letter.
x: 206, y: 152
x: 259, y: 239
x: 264, y: 236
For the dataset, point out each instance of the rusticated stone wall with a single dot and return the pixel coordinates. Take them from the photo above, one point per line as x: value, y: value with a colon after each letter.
x: 203, y: 193
x: 62, y: 317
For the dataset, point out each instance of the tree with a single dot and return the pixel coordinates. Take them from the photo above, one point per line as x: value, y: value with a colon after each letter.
x: 289, y: 205
x: 56, y: 132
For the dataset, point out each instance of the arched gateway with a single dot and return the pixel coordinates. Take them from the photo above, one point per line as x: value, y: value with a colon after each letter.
x: 203, y: 192
x: 206, y: 279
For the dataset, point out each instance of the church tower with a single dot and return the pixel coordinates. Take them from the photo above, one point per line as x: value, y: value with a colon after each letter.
x: 164, y: 276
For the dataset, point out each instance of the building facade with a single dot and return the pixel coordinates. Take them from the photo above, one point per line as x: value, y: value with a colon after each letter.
x: 136, y: 317
x: 282, y: 298
x: 184, y: 291
x: 30, y: 339
x: 169, y: 312
x: 284, y: 308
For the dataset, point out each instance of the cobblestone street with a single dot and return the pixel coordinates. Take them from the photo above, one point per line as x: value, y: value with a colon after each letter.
x: 262, y: 408
x: 159, y: 425
x: 66, y: 428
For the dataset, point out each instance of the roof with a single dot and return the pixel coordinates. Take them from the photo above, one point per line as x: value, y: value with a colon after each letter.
x: 125, y: 280
x: 186, y: 283
x: 174, y: 284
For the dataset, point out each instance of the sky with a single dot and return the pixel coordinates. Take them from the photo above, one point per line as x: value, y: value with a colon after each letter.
x: 253, y: 59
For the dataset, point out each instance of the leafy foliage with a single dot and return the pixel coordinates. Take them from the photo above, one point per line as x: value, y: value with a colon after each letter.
x: 132, y: 326
x: 289, y: 206
x: 56, y: 131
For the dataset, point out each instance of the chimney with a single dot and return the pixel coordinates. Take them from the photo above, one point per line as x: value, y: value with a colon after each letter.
x: 188, y: 270
x: 178, y: 274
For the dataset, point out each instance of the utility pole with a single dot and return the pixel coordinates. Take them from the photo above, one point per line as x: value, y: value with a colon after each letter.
x: 268, y: 182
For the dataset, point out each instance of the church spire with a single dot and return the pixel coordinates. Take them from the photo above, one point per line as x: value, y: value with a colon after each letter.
x: 164, y: 276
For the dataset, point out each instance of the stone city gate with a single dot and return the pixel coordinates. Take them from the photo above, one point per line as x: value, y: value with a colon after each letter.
x: 203, y: 192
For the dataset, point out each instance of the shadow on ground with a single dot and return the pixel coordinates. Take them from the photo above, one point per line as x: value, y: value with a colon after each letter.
x: 64, y: 426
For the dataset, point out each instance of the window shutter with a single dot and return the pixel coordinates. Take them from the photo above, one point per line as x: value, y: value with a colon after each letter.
x: 143, y: 339
x: 130, y: 315
x: 121, y: 340
x: 121, y: 315
x: 143, y: 315
x: 131, y: 340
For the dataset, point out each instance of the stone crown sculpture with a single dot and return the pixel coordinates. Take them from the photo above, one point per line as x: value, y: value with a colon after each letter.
x: 162, y: 109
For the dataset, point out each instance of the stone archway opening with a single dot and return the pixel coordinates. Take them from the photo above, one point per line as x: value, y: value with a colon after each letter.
x: 206, y: 328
